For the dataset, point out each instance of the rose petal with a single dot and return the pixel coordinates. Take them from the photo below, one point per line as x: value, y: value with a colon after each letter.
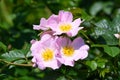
x: 65, y: 16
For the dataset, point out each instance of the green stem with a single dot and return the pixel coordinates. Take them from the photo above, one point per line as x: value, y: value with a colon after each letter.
x: 119, y: 42
x: 97, y: 45
x: 87, y: 37
x: 10, y: 63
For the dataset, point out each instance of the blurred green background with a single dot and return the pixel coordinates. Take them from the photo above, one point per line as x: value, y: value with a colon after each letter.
x: 16, y: 31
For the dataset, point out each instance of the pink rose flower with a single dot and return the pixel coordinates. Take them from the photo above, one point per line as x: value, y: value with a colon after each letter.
x: 61, y: 23
x: 117, y: 36
x: 45, y: 24
x: 45, y: 52
x: 65, y: 24
x: 72, y: 51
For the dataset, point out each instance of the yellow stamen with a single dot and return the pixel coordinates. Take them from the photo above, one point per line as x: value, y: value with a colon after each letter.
x: 47, y: 55
x: 65, y: 27
x: 68, y: 51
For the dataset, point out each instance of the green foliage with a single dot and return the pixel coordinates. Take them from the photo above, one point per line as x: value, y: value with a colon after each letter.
x: 92, y: 65
x: 112, y: 51
x: 101, y: 22
x: 98, y: 6
x: 13, y: 55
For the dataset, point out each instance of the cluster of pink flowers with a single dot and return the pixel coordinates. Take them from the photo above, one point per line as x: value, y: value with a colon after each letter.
x: 55, y: 46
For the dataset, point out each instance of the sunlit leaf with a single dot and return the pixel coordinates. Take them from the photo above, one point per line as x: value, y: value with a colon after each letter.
x: 13, y: 55
x: 112, y: 51
x: 104, y: 71
x: 28, y: 54
x: 101, y: 63
x: 92, y: 64
x: 105, y: 32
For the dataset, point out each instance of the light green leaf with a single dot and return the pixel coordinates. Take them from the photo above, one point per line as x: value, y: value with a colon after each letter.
x: 13, y: 55
x: 102, y: 27
x: 96, y: 7
x: 101, y: 63
x: 92, y: 65
x: 28, y: 54
x: 112, y: 51
x: 104, y: 71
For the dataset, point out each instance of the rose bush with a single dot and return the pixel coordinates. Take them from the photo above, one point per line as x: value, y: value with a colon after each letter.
x: 74, y: 40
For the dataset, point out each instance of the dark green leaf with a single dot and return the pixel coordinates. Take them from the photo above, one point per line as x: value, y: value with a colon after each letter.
x: 17, y: 62
x: 105, y: 32
x: 61, y: 78
x: 107, y: 7
x: 26, y: 78
x: 110, y: 39
x: 3, y: 47
x: 116, y: 24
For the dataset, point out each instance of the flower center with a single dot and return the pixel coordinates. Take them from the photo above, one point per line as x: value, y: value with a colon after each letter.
x: 47, y: 55
x: 68, y: 51
x: 65, y: 27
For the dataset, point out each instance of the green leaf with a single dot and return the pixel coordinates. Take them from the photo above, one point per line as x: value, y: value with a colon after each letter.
x: 105, y: 32
x: 72, y: 73
x: 92, y: 65
x: 28, y: 54
x: 104, y: 71
x: 21, y: 72
x: 102, y: 27
x: 95, y: 8
x: 28, y: 1
x: 107, y: 7
x: 3, y: 47
x: 13, y: 55
x: 26, y: 78
x: 17, y: 62
x: 110, y: 39
x: 112, y: 51
x: 98, y: 6
x: 80, y: 13
x: 61, y: 78
x: 116, y: 24
x: 6, y: 17
x: 101, y: 63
